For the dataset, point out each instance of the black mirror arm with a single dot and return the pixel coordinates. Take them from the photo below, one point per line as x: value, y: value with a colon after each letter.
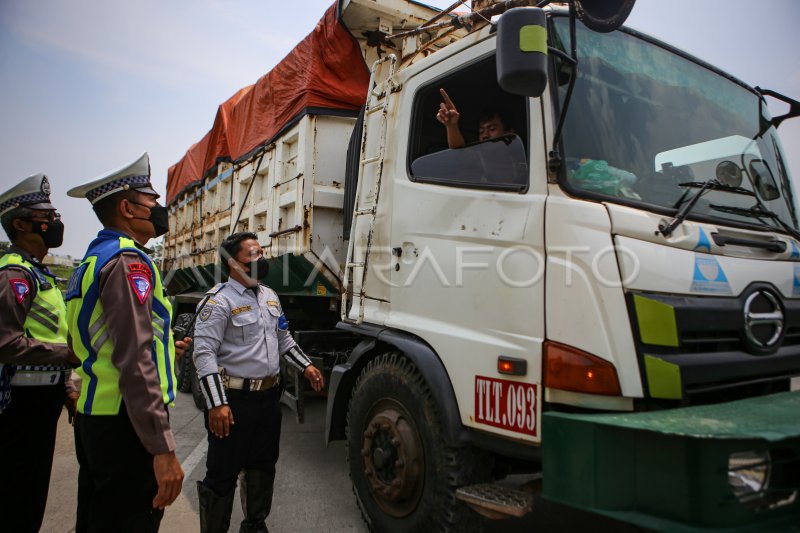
x: 561, y: 55
x: 794, y: 105
x: 554, y: 162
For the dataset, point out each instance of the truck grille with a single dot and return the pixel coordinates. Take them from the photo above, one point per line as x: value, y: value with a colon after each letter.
x: 719, y: 342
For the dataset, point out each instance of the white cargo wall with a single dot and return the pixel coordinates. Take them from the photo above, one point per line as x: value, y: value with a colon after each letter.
x: 294, y: 204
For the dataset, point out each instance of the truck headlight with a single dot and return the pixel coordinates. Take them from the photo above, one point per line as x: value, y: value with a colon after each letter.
x: 748, y: 475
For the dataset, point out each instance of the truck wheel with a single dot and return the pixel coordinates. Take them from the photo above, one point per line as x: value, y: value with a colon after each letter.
x: 185, y: 365
x: 185, y: 368
x: 403, y: 474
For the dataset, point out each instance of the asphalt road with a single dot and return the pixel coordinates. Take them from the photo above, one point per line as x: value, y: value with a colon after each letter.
x: 312, y: 488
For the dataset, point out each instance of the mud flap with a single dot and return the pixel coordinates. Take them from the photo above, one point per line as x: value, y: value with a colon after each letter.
x: 670, y: 470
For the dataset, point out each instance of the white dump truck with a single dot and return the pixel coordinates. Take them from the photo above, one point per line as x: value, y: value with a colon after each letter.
x: 600, y: 297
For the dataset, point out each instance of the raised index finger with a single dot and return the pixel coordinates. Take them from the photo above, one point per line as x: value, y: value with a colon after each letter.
x: 446, y: 98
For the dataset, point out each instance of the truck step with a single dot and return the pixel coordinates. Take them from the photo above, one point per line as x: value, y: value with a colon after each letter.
x: 496, y: 501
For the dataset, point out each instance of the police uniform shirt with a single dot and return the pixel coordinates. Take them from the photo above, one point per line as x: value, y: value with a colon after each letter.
x: 242, y: 332
x: 129, y: 322
x: 17, y: 291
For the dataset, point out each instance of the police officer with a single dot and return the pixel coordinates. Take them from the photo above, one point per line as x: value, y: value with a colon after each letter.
x: 33, y: 353
x: 240, y: 334
x: 119, y: 326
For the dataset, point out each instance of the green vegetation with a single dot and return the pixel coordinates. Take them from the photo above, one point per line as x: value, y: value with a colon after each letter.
x: 62, y: 274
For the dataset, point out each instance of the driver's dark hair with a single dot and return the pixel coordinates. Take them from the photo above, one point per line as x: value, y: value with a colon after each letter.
x: 488, y: 113
x: 231, y: 246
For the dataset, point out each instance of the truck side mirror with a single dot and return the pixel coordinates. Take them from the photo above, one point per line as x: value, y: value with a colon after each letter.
x: 763, y: 180
x: 603, y: 16
x: 522, y: 51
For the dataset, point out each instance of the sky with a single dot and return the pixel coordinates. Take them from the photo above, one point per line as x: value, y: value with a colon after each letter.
x: 86, y: 86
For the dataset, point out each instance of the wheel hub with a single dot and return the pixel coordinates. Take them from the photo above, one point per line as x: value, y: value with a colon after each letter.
x: 393, y: 462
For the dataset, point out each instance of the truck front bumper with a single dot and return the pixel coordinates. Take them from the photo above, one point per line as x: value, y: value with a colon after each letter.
x: 726, y: 467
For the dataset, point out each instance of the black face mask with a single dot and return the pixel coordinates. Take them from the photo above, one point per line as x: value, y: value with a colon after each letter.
x: 52, y: 232
x: 159, y: 218
x: 261, y: 269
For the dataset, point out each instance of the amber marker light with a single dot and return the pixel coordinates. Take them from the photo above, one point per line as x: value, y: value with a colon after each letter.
x: 570, y: 369
x: 512, y: 366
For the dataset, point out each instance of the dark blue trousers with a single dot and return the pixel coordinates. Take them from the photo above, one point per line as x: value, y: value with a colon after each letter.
x: 27, y: 440
x: 253, y: 442
x: 116, y: 482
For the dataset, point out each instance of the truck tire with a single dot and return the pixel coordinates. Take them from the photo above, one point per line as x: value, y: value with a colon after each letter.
x: 185, y: 365
x: 185, y: 369
x: 404, y: 476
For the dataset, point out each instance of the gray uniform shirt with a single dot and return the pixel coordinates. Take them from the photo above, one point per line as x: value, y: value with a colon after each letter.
x: 242, y: 332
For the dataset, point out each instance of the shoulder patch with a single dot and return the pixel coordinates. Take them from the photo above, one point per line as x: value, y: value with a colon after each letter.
x: 140, y: 268
x: 74, y: 289
x: 215, y: 289
x: 141, y: 285
x: 21, y: 288
x: 204, y: 314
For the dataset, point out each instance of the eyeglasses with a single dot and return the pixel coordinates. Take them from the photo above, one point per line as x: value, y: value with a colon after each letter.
x: 50, y: 216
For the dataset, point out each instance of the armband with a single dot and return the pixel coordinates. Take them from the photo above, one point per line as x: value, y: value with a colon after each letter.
x: 213, y: 391
x: 297, y: 358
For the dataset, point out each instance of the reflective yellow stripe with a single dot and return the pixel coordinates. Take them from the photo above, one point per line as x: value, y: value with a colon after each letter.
x: 43, y: 321
x: 42, y: 310
x: 101, y: 339
x: 96, y: 326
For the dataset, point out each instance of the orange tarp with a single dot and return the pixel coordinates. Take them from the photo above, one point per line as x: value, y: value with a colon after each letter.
x: 204, y: 154
x: 324, y: 72
x: 188, y: 170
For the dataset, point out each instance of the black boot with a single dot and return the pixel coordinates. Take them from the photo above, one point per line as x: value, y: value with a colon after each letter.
x: 255, y: 489
x: 215, y: 510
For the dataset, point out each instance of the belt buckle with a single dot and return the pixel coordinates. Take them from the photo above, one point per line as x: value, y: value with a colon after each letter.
x: 255, y: 384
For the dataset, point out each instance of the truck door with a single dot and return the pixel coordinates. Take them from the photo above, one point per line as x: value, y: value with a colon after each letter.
x: 467, y: 237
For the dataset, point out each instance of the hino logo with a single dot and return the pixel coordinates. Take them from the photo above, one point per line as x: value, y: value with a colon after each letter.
x: 763, y: 319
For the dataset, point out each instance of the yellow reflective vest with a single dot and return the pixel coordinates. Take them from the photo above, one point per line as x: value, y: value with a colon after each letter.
x: 91, y: 341
x: 46, y: 320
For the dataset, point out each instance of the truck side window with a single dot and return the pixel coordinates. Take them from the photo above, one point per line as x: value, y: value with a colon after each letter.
x: 496, y: 159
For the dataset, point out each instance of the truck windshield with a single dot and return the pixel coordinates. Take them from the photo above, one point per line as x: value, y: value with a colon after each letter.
x: 645, y: 125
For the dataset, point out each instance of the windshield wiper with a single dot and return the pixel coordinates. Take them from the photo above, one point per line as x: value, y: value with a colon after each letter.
x: 718, y: 186
x: 756, y: 211
x: 704, y: 186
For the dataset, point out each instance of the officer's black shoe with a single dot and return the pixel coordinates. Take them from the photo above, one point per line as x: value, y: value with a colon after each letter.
x: 215, y: 510
x: 255, y: 489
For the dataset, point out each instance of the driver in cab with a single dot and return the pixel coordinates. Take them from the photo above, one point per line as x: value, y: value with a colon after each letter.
x: 491, y: 124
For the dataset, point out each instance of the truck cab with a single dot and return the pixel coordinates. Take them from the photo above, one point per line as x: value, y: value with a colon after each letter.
x: 645, y: 259
x: 598, y: 303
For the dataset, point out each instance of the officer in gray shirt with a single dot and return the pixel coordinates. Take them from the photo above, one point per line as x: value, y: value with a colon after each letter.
x: 240, y: 335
